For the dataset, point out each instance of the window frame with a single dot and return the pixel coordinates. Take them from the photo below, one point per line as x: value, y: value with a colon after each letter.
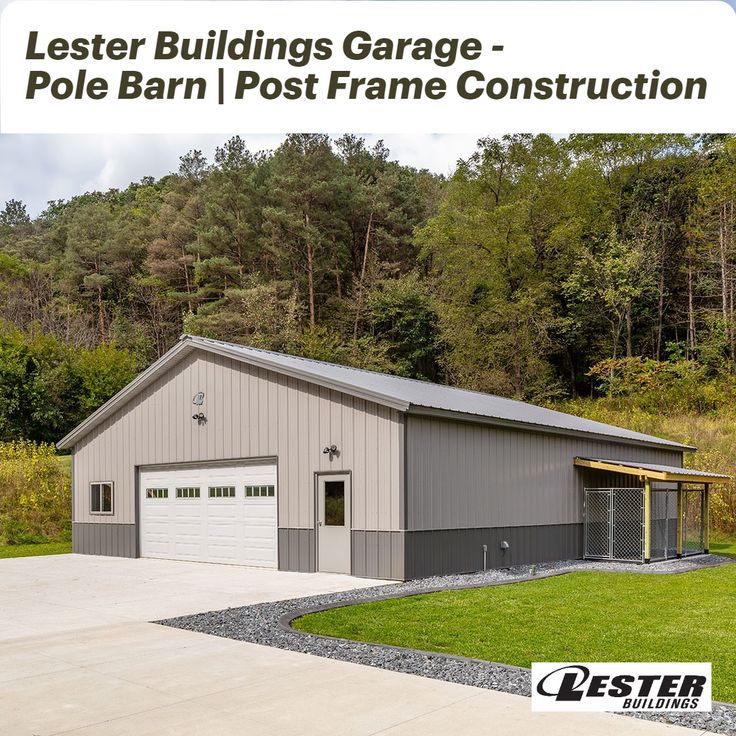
x: 188, y: 496
x: 101, y: 483
x: 157, y: 496
x: 270, y: 489
x: 341, y: 506
x: 222, y: 496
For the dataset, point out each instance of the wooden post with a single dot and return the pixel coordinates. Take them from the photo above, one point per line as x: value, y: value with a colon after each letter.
x: 679, y: 520
x: 705, y: 517
x: 647, y: 520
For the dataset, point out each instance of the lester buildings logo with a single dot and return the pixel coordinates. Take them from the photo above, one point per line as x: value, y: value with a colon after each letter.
x: 621, y: 686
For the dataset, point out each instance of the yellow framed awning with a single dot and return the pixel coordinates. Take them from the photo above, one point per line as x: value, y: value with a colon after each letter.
x: 652, y: 472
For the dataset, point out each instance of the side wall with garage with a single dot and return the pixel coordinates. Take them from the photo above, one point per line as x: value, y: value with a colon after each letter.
x: 470, y: 485
x: 251, y: 413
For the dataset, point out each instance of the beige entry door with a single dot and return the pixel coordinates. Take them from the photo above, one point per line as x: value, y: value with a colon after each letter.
x: 333, y: 523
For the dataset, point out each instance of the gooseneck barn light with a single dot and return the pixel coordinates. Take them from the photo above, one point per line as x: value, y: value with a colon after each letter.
x: 199, y: 416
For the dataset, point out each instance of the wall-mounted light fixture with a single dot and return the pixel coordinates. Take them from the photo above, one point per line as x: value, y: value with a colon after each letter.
x: 199, y: 416
x: 331, y: 451
x: 504, y: 549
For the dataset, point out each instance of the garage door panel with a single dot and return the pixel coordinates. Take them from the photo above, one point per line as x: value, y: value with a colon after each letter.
x: 235, y: 530
x: 260, y: 508
x: 219, y: 514
x: 260, y: 554
x: 184, y: 545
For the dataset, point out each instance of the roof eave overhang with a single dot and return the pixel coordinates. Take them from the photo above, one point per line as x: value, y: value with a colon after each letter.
x: 544, y: 428
x: 672, y: 477
x: 137, y: 384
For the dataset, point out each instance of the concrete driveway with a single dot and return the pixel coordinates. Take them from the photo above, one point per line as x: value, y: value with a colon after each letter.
x: 77, y: 656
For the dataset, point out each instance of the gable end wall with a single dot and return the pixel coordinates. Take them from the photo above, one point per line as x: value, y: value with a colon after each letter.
x: 251, y: 413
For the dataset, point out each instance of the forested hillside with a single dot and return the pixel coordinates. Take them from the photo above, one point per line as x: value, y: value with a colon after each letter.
x: 544, y: 269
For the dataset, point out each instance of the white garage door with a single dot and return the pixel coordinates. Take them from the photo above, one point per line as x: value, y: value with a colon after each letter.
x: 222, y: 513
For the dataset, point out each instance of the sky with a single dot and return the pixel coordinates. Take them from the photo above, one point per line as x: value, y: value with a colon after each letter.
x: 38, y: 168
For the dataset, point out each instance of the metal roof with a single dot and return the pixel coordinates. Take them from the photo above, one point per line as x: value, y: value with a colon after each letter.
x: 404, y: 394
x: 655, y: 472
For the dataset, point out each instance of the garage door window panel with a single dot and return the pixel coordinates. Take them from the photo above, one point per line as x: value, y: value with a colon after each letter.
x: 157, y: 493
x: 101, y: 497
x: 188, y: 492
x: 260, y: 491
x: 222, y: 491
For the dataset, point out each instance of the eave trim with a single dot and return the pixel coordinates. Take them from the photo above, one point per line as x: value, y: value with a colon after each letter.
x: 137, y: 384
x: 627, y: 468
x: 544, y: 428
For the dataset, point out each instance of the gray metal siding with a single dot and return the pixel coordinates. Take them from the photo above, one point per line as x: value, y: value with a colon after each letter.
x: 114, y: 540
x: 462, y: 475
x: 451, y: 551
x: 378, y: 554
x: 297, y: 550
x: 251, y: 412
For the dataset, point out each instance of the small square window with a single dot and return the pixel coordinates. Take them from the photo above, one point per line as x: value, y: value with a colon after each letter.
x: 101, y: 497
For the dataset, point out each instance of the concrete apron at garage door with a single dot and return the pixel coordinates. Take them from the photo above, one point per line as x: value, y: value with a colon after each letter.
x: 89, y: 665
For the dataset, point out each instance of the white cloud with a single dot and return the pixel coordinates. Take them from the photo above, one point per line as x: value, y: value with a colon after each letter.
x: 39, y: 168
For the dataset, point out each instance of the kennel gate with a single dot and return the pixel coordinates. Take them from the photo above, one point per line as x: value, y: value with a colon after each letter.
x: 613, y: 523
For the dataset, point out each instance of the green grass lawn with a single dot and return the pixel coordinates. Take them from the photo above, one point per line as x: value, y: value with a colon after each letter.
x: 582, y: 616
x: 31, y: 550
x: 723, y: 548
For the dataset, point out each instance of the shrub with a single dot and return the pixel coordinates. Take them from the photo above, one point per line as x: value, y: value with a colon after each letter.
x: 673, y: 387
x: 713, y: 433
x: 35, y: 493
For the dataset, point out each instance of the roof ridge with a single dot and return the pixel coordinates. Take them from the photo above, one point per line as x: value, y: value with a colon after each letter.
x: 594, y: 426
x: 420, y: 397
x: 381, y: 373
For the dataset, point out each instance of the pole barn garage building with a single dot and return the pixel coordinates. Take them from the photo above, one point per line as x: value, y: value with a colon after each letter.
x: 223, y: 453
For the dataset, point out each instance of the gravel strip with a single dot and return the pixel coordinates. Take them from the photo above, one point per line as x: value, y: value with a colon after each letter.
x: 268, y: 624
